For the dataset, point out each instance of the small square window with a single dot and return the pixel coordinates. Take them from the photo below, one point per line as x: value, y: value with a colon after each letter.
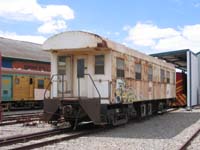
x: 168, y: 76
x: 162, y: 75
x: 120, y: 68
x: 150, y: 73
x: 138, y: 71
x: 17, y: 80
x: 99, y: 64
x: 5, y: 92
x: 40, y: 84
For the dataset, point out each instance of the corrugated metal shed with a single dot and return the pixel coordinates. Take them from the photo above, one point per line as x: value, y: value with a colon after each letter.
x: 178, y: 58
x: 23, y: 50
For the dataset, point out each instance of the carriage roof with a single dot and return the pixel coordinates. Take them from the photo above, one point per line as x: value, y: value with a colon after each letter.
x: 79, y: 41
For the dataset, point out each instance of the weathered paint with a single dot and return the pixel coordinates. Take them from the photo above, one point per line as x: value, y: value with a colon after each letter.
x: 22, y: 83
x: 66, y: 42
x: 22, y: 50
x: 7, y: 63
x: 31, y: 66
x: 7, y: 88
x: 150, y: 90
x: 89, y: 45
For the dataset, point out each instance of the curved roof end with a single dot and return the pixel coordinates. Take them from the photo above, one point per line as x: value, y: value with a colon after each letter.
x: 74, y: 40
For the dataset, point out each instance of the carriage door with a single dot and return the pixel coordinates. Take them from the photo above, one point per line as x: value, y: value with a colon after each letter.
x: 81, y: 70
x: 7, y: 88
x: 64, y: 76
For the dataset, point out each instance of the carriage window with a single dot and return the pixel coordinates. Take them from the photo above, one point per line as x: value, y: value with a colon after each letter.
x: 162, y: 75
x: 31, y: 81
x: 17, y: 80
x: 168, y: 77
x: 150, y: 73
x: 173, y: 77
x: 120, y: 68
x: 99, y: 64
x: 138, y: 71
x: 61, y: 65
x: 40, y: 84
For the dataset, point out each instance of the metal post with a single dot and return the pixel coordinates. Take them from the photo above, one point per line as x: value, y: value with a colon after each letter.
x: 62, y: 86
x: 79, y: 87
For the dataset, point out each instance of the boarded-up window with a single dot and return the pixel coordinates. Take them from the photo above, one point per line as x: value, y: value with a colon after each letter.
x: 150, y: 73
x: 168, y: 76
x: 120, y: 68
x: 138, y: 71
x: 162, y: 75
x: 40, y: 84
x: 99, y: 64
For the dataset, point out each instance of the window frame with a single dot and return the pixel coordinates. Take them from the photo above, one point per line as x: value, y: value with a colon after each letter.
x: 96, y: 65
x: 38, y: 85
x: 120, y: 70
x: 138, y: 74
x: 150, y: 73
x: 162, y: 75
x: 168, y: 76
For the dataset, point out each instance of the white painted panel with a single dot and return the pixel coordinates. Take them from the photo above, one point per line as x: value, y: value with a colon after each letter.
x: 168, y: 91
x: 39, y: 94
x: 103, y: 89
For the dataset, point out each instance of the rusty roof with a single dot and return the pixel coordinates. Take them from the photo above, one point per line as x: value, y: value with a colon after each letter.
x: 80, y: 40
x: 23, y: 50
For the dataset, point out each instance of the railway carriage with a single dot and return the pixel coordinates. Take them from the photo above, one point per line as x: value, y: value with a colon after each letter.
x: 23, y: 89
x: 95, y: 79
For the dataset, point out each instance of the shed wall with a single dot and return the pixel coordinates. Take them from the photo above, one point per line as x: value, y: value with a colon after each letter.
x: 192, y: 79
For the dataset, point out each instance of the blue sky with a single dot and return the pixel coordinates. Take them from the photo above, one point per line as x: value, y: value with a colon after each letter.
x: 150, y: 26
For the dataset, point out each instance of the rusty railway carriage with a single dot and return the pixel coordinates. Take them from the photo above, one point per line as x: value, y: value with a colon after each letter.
x: 95, y: 79
x: 23, y: 89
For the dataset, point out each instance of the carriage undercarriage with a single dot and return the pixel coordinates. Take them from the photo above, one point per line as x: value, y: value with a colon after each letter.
x: 77, y: 110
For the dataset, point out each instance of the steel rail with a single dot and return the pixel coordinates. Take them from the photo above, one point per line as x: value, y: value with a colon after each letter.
x: 74, y: 135
x: 10, y: 118
x: 188, y: 142
x: 24, y: 138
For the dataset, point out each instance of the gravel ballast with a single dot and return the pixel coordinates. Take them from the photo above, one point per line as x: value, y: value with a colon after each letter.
x: 163, y: 132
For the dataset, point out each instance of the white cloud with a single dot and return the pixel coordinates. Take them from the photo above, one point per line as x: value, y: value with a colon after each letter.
x: 31, y: 10
x: 52, y: 26
x: 197, y: 5
x: 156, y: 38
x: 28, y: 38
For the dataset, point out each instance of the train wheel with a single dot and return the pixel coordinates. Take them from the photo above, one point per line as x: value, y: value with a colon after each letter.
x: 160, y: 107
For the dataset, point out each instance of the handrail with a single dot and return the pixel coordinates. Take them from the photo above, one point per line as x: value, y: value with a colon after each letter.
x: 94, y: 85
x: 51, y: 83
x: 63, y: 85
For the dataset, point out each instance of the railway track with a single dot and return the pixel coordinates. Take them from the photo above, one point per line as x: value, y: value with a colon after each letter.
x: 25, y: 138
x: 15, y: 119
x: 70, y: 134
x: 188, y: 142
x: 40, y: 135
